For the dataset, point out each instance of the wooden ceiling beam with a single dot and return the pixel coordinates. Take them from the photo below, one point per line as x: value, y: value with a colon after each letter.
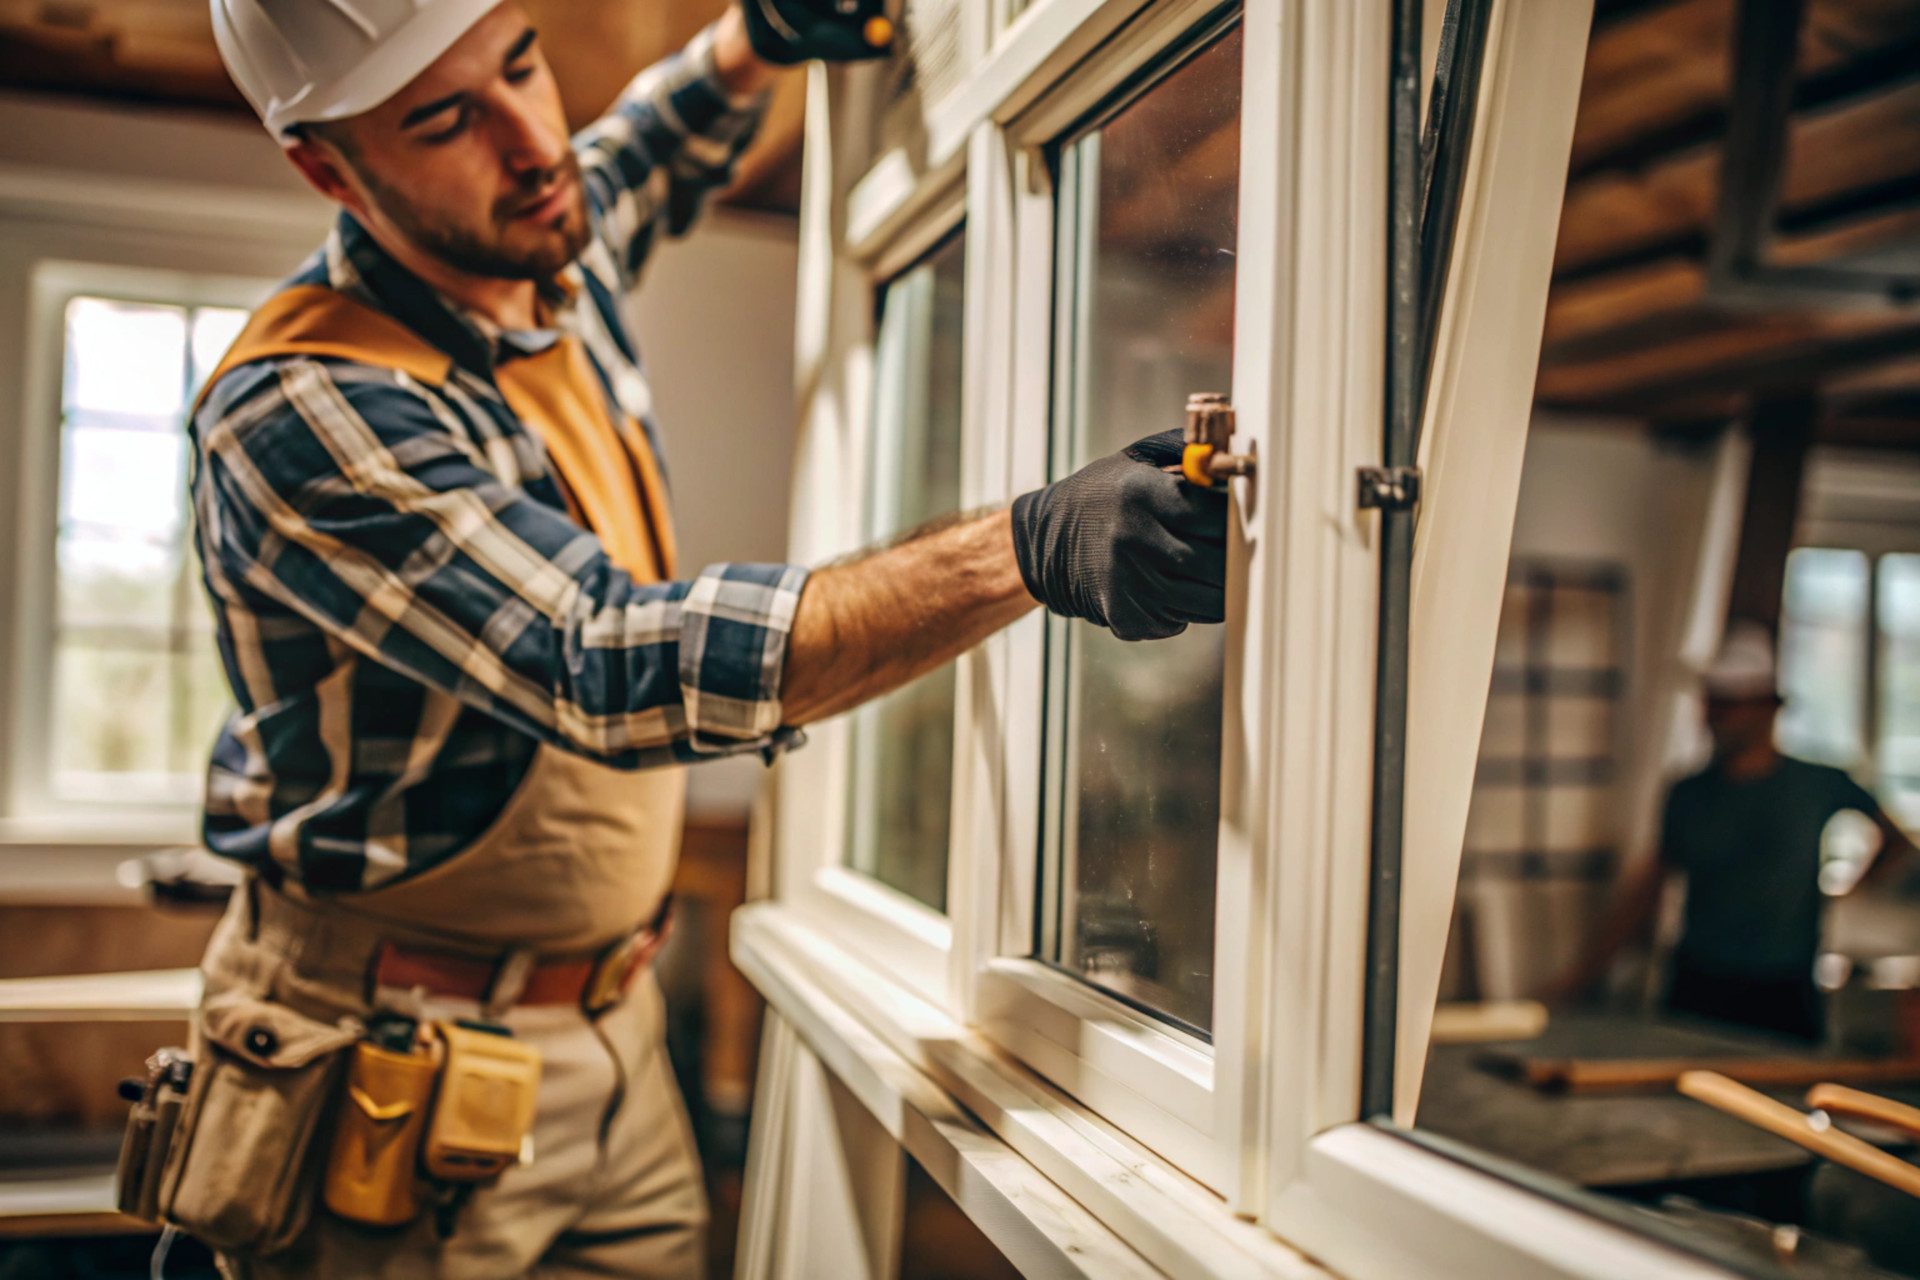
x: 1759, y: 356
x: 1660, y: 81
x: 1638, y: 296
x: 1614, y: 217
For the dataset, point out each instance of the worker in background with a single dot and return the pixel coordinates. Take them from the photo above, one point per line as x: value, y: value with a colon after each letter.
x: 1744, y: 834
x: 433, y: 519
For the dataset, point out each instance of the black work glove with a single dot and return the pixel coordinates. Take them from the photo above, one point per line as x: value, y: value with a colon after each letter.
x: 1125, y: 544
x: 790, y: 31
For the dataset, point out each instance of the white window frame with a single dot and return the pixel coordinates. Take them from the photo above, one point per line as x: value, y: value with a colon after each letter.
x: 1264, y: 1142
x: 31, y: 804
x: 888, y: 928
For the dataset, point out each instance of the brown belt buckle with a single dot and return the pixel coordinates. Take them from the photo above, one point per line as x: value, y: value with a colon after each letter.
x: 611, y: 973
x: 614, y: 971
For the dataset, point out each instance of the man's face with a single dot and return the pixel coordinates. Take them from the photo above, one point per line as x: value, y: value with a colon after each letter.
x: 471, y: 162
x: 1738, y: 724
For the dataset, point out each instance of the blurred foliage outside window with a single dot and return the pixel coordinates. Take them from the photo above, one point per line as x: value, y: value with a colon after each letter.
x: 137, y: 692
x: 902, y: 772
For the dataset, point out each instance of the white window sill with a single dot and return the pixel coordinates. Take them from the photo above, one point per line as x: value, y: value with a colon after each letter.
x: 77, y: 861
x: 1370, y: 1204
x: 870, y: 1031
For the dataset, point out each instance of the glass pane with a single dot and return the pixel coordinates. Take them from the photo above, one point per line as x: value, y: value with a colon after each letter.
x: 201, y: 705
x: 903, y: 743
x: 110, y: 711
x: 1823, y: 656
x: 126, y: 358
x: 1146, y: 247
x: 214, y: 329
x: 1899, y: 610
x: 117, y: 584
x: 124, y: 480
x: 137, y: 689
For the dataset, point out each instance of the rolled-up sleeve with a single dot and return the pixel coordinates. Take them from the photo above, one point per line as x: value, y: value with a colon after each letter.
x: 341, y: 494
x: 668, y: 143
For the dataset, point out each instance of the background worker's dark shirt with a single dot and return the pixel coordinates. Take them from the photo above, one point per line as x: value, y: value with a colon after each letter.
x: 1750, y: 849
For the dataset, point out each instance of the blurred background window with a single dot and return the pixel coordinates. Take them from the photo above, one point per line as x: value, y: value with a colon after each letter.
x: 137, y: 693
x: 902, y: 775
x: 1897, y: 610
x: 1145, y: 251
x: 1824, y: 655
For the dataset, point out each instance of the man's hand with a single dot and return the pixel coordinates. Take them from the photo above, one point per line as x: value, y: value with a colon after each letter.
x: 789, y: 31
x: 1127, y: 544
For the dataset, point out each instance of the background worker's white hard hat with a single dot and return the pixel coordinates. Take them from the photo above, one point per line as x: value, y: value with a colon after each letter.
x: 1744, y: 666
x: 304, y: 61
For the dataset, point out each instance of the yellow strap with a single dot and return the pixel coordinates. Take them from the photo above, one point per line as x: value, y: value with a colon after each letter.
x: 607, y: 470
x: 604, y: 469
x: 313, y: 320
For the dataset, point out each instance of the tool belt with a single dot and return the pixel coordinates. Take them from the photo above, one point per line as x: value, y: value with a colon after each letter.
x: 376, y: 1111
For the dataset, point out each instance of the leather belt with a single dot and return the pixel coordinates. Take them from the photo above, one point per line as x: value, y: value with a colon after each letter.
x: 595, y: 982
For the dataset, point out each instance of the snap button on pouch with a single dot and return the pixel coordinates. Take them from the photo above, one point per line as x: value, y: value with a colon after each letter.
x: 261, y: 1040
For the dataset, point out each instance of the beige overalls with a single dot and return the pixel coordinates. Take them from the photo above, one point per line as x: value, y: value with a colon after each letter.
x: 580, y: 855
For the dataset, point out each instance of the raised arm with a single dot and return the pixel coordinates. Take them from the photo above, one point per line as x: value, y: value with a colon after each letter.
x: 669, y: 143
x: 1896, y: 859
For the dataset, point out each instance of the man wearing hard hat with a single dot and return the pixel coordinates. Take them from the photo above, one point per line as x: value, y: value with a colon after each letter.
x: 435, y: 527
x: 1745, y: 835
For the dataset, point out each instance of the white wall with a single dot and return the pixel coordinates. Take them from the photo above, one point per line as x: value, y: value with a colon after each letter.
x: 1603, y: 489
x: 146, y: 190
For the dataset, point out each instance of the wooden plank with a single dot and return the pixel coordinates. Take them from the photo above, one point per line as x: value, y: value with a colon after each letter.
x: 1852, y: 147
x: 81, y: 1205
x: 1837, y: 1099
x: 1630, y: 300
x: 1577, y: 1075
x: 1763, y: 353
x: 1777, y: 1118
x: 101, y: 997
x: 1667, y: 68
x: 1650, y: 71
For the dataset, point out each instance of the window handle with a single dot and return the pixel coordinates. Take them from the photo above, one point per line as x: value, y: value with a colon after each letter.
x: 1209, y: 435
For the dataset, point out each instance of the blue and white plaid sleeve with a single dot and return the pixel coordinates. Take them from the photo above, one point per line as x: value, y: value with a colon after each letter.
x: 668, y: 143
x: 338, y: 492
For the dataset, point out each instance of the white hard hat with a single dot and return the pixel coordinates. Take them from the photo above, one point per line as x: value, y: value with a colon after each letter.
x: 304, y: 61
x: 1744, y: 666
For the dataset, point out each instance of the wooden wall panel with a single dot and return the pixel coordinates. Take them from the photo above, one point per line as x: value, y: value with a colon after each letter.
x: 64, y: 1075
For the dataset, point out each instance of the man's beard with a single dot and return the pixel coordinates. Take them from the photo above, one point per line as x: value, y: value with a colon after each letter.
x: 487, y: 252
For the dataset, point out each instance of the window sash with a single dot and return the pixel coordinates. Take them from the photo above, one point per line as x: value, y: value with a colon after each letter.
x: 1151, y: 1079
x: 1266, y: 1120
x: 890, y: 930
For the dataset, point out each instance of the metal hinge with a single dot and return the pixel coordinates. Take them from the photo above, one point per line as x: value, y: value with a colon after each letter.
x: 1389, y: 488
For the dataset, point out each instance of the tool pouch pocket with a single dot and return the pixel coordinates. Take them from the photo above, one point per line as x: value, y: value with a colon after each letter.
x: 483, y: 1118
x: 371, y: 1170
x: 240, y: 1174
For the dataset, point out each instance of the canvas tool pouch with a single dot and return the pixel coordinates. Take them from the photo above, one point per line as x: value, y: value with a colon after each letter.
x: 240, y: 1172
x: 372, y: 1171
x: 151, y: 1128
x: 483, y: 1117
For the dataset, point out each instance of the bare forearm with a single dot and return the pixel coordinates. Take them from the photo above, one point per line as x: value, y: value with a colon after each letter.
x: 1893, y: 862
x: 867, y: 627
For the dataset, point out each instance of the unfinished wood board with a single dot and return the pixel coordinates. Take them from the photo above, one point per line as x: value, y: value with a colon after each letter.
x: 1602, y: 1052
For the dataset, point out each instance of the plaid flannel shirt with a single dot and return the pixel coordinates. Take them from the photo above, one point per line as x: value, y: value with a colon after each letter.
x: 404, y: 608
